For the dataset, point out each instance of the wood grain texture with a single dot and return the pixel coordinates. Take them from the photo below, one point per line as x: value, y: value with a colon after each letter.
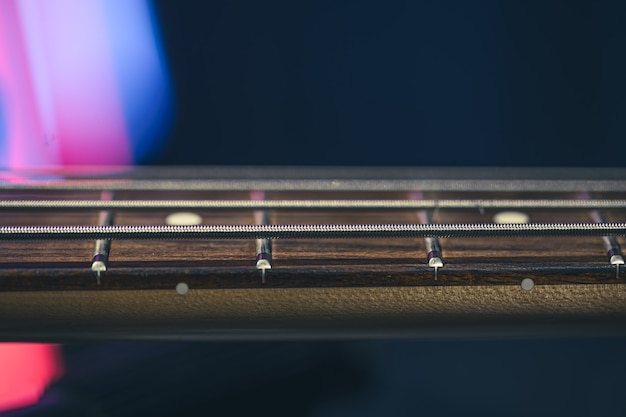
x: 64, y: 265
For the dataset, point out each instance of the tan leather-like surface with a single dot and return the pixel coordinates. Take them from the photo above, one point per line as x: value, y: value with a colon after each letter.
x: 315, y: 304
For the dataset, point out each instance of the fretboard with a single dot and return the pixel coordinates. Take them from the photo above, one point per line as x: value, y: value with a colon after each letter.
x: 188, y: 230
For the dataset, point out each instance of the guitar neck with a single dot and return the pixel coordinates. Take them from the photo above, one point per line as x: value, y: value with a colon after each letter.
x: 286, y: 252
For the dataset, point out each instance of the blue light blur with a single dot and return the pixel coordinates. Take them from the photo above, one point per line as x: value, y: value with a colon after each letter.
x: 97, y: 80
x: 142, y: 76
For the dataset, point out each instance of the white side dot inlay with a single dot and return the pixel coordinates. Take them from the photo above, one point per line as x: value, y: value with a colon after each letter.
x: 528, y: 284
x: 182, y: 288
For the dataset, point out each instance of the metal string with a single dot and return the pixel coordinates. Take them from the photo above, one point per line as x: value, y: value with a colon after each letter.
x: 478, y: 204
x: 309, y: 231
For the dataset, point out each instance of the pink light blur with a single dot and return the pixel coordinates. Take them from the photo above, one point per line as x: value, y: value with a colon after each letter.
x: 26, y: 369
x: 16, y: 89
x: 82, y: 82
x: 71, y: 40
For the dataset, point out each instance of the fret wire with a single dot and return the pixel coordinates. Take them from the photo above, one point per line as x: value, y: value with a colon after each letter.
x: 310, y: 204
x: 263, y: 246
x: 310, y: 231
x: 102, y: 247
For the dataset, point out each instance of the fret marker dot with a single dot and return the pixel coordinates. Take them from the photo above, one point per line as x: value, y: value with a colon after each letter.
x: 510, y: 217
x: 528, y: 284
x: 182, y: 288
x: 183, y: 219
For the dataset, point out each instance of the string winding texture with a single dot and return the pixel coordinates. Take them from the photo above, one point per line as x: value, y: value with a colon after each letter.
x: 309, y: 231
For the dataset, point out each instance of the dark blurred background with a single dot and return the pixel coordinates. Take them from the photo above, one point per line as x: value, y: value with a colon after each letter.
x: 454, y: 82
x: 469, y: 377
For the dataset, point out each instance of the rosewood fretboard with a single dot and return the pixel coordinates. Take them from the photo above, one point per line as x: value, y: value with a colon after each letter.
x: 524, y: 231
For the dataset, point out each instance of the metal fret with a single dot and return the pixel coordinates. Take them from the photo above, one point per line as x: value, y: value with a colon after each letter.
x: 613, y: 250
x: 263, y: 246
x: 434, y: 256
x: 102, y: 248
